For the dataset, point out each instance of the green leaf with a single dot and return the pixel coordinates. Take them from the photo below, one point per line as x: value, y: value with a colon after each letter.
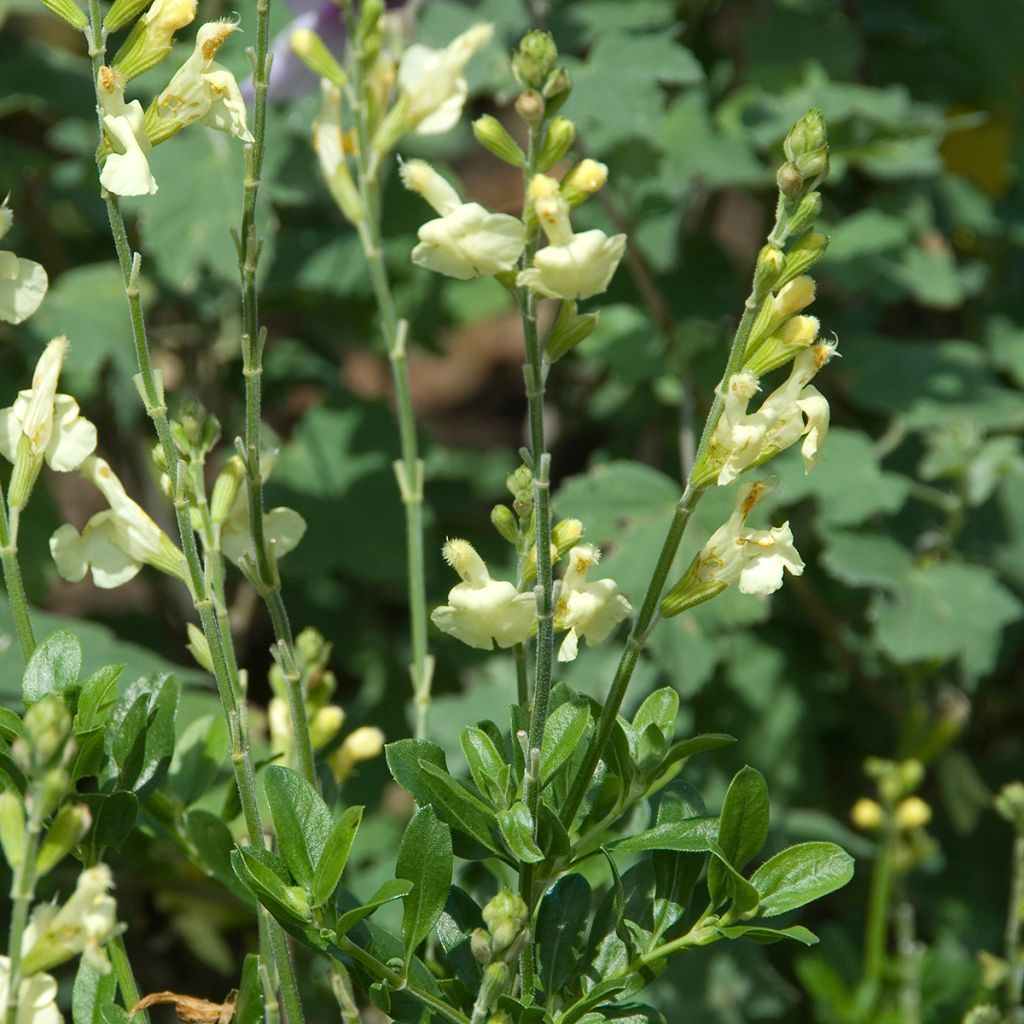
x: 565, y: 728
x: 866, y: 559
x: 266, y: 877
x: 53, y: 668
x: 696, y: 745
x: 249, y: 1006
x: 302, y: 821
x: 213, y: 843
x: 799, y: 875
x: 462, y: 809
x: 561, y: 931
x: 486, y: 765
x: 199, y: 755
x: 91, y: 992
x: 140, y: 733
x: 675, y: 874
x: 393, y: 889
x: 114, y: 816
x: 767, y: 936
x: 11, y: 726
x: 516, y: 826
x: 743, y: 826
x: 660, y: 709
x: 691, y: 835
x: 335, y: 853
x: 425, y: 859
x: 404, y: 759
x: 95, y: 698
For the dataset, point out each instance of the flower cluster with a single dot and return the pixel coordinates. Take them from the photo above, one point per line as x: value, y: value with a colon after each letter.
x: 200, y: 90
x: 482, y: 611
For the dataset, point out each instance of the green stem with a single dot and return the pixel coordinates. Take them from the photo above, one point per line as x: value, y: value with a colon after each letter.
x: 395, y: 980
x: 409, y: 468
x: 125, y: 976
x: 15, y: 587
x: 522, y: 678
x: 876, y: 931
x: 647, y: 616
x: 151, y: 390
x: 1014, y: 928
x: 23, y: 888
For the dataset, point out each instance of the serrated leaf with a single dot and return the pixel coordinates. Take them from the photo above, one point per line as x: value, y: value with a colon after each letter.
x: 425, y: 859
x: 799, y: 875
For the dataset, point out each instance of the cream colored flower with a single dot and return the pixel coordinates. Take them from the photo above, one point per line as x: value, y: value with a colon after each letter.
x: 116, y: 543
x: 126, y: 169
x: 794, y: 410
x: 329, y: 146
x: 23, y: 283
x: 86, y: 922
x: 37, y: 996
x: 467, y: 240
x: 751, y: 559
x: 587, y: 610
x: 431, y: 81
x: 481, y: 611
x: 49, y: 422
x: 572, y: 266
x: 282, y: 527
x: 201, y: 90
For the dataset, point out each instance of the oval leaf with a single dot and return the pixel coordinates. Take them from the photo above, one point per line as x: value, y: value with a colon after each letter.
x: 425, y: 859
x: 799, y: 875
x: 302, y: 821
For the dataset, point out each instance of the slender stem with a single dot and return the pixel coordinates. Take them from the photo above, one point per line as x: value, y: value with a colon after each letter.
x: 395, y: 980
x: 876, y: 931
x: 125, y: 976
x: 15, y: 587
x: 23, y: 888
x: 151, y: 390
x: 910, y: 953
x: 341, y: 986
x: 646, y: 618
x: 1014, y: 928
x: 522, y: 679
x: 409, y: 469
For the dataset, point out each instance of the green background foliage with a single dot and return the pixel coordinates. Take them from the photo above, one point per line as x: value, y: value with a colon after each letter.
x: 902, y: 639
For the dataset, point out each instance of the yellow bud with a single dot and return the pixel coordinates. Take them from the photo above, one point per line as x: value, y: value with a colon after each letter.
x: 913, y: 813
x: 583, y: 181
x: 325, y: 724
x: 867, y: 814
x: 364, y: 744
x: 313, y: 52
x: 566, y: 534
x: 493, y: 136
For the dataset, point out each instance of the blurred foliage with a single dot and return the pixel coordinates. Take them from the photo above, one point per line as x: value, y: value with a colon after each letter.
x: 901, y: 640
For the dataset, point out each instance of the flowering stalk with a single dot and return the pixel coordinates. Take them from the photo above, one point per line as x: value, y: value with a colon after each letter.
x: 151, y: 391
x: 409, y: 469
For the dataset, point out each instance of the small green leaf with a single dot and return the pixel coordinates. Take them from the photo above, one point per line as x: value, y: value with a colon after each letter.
x: 425, y: 859
x: 11, y: 727
x: 800, y: 874
x: 266, y: 877
x: 561, y: 930
x: 91, y: 992
x: 404, y: 759
x: 696, y: 745
x: 213, y: 842
x: 140, y: 732
x: 98, y: 693
x: 464, y: 810
x: 393, y: 889
x: 516, y: 826
x: 332, y: 861
x: 302, y: 821
x: 691, y: 835
x: 767, y: 936
x: 486, y: 765
x: 53, y: 668
x: 114, y: 816
x: 743, y: 825
x: 565, y: 728
x: 249, y: 1005
x: 660, y: 709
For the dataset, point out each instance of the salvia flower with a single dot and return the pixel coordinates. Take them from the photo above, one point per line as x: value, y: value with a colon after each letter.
x: 587, y: 610
x: 126, y: 168
x: 752, y: 560
x: 37, y: 996
x: 43, y: 425
x: 467, y: 240
x: 283, y: 528
x: 571, y: 266
x: 201, y: 90
x: 794, y: 410
x: 23, y: 283
x: 481, y: 611
x: 86, y: 922
x: 115, y: 543
x: 431, y: 82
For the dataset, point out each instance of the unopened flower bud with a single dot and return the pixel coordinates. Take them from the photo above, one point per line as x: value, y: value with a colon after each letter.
x: 769, y: 267
x: 867, y: 814
x: 560, y: 136
x: 534, y: 58
x: 325, y: 724
x: 806, y: 146
x: 56, y: 783
x: 69, y: 11
x: 225, y: 489
x: 69, y: 828
x: 505, y: 915
x: 480, y: 945
x: 313, y: 52
x: 493, y: 136
x: 310, y: 646
x: 364, y: 744
x: 520, y: 482
x: 504, y: 522
x: 582, y: 181
x: 790, y: 180
x: 807, y: 211
x: 566, y: 534
x: 48, y: 724
x: 913, y: 813
x: 199, y: 647
x: 12, y: 828
x: 152, y: 38
x: 297, y: 900
x: 556, y: 90
x: 530, y: 107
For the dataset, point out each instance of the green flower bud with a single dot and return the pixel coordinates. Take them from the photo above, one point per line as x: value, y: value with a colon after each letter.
x: 533, y: 60
x: 56, y: 783
x: 506, y: 917
x: 565, y: 535
x: 121, y: 12
x: 770, y: 264
x: 520, y: 482
x: 69, y: 11
x: 790, y: 179
x: 225, y: 489
x: 480, y: 945
x: 569, y: 330
x: 68, y: 829
x: 199, y: 648
x: 492, y: 135
x: 504, y: 522
x: 803, y: 255
x: 556, y: 90
x: 530, y: 107
x: 12, y: 828
x: 582, y: 181
x: 311, y: 647
x: 48, y: 725
x: 806, y: 146
x: 313, y: 52
x: 560, y: 136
